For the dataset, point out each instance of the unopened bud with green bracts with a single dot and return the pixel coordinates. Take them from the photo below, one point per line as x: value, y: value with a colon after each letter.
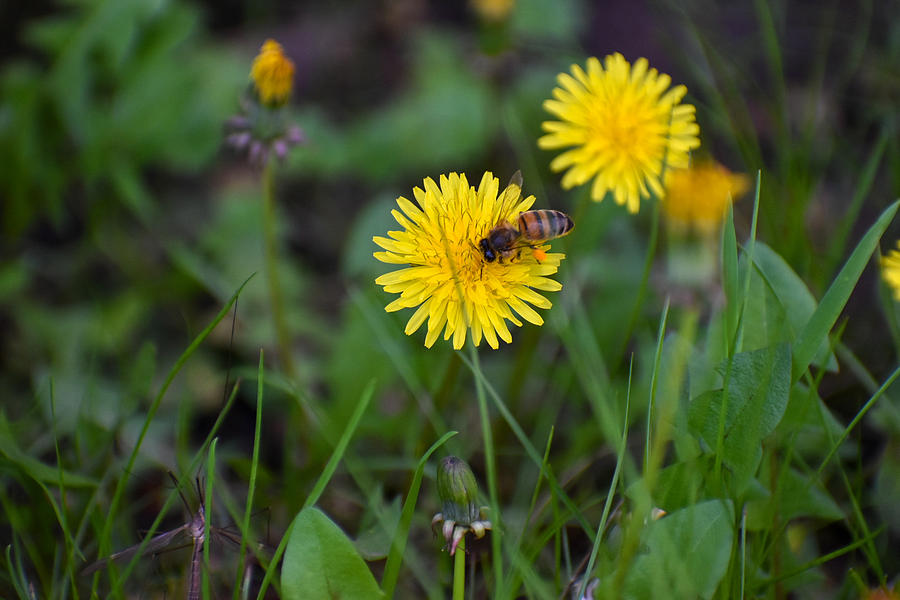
x: 458, y: 492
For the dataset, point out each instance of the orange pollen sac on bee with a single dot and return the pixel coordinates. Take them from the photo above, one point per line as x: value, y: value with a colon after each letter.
x: 539, y: 255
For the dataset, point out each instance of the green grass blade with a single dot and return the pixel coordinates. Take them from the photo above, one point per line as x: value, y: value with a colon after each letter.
x: 194, y: 465
x: 826, y: 314
x: 331, y: 465
x: 862, y: 412
x: 208, y: 494
x: 151, y: 413
x: 660, y: 336
x: 398, y: 544
x: 730, y: 280
x: 743, y: 552
x: 749, y: 251
x: 516, y: 548
x: 846, y: 222
x: 254, y: 465
x: 620, y: 452
x: 70, y: 548
x: 490, y: 462
x: 645, y: 278
x: 324, y: 478
x: 821, y: 560
x: 530, y: 450
x: 772, y: 51
x: 16, y: 571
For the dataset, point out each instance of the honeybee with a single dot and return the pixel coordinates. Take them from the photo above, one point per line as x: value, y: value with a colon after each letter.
x: 533, y: 227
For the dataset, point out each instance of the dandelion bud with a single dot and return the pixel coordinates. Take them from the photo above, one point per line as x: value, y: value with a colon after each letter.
x: 458, y: 491
x: 262, y: 128
x: 461, y: 514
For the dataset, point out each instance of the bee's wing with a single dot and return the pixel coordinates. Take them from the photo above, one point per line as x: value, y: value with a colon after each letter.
x: 509, y: 197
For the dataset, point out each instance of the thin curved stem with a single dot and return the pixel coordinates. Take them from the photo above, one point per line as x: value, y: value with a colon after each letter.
x: 271, y: 258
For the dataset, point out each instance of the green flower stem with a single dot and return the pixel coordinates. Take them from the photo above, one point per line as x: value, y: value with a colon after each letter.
x: 642, y: 289
x: 491, y: 467
x: 459, y: 571
x: 271, y: 248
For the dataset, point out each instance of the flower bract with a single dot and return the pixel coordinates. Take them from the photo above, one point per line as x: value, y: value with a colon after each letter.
x: 622, y: 126
x: 460, y: 513
x: 447, y: 279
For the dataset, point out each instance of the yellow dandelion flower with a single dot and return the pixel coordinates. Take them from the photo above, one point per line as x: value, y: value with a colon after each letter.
x: 697, y: 198
x: 493, y: 10
x: 272, y: 74
x: 890, y: 270
x: 624, y: 127
x: 448, y: 278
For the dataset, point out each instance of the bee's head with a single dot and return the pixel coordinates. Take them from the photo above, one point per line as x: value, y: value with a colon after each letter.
x: 488, y: 252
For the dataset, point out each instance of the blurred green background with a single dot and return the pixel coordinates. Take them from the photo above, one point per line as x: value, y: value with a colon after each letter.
x: 126, y: 226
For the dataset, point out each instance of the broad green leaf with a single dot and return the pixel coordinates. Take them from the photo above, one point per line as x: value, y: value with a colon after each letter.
x: 823, y: 319
x: 321, y: 562
x: 324, y: 477
x: 763, y: 310
x: 795, y: 498
x: 793, y: 295
x: 687, y: 553
x: 682, y: 483
x: 758, y: 393
x: 804, y: 418
x: 800, y: 499
x: 373, y: 542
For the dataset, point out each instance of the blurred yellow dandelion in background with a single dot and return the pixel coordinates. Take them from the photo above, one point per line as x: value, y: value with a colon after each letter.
x: 448, y: 278
x: 890, y: 270
x: 492, y: 10
x: 697, y: 198
x: 624, y: 127
x: 272, y: 74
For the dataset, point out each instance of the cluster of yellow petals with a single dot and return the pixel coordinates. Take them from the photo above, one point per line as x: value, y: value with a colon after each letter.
x: 448, y: 280
x: 697, y: 198
x: 493, y: 10
x: 272, y: 74
x: 890, y: 270
x: 624, y: 126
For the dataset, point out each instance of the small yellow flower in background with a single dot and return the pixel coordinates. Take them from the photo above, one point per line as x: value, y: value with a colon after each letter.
x: 890, y: 270
x: 272, y: 74
x: 624, y: 127
x: 262, y: 127
x: 492, y: 10
x: 448, y: 278
x: 881, y: 593
x: 697, y: 198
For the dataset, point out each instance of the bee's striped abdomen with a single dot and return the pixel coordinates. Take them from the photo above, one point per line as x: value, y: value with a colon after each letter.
x: 543, y: 225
